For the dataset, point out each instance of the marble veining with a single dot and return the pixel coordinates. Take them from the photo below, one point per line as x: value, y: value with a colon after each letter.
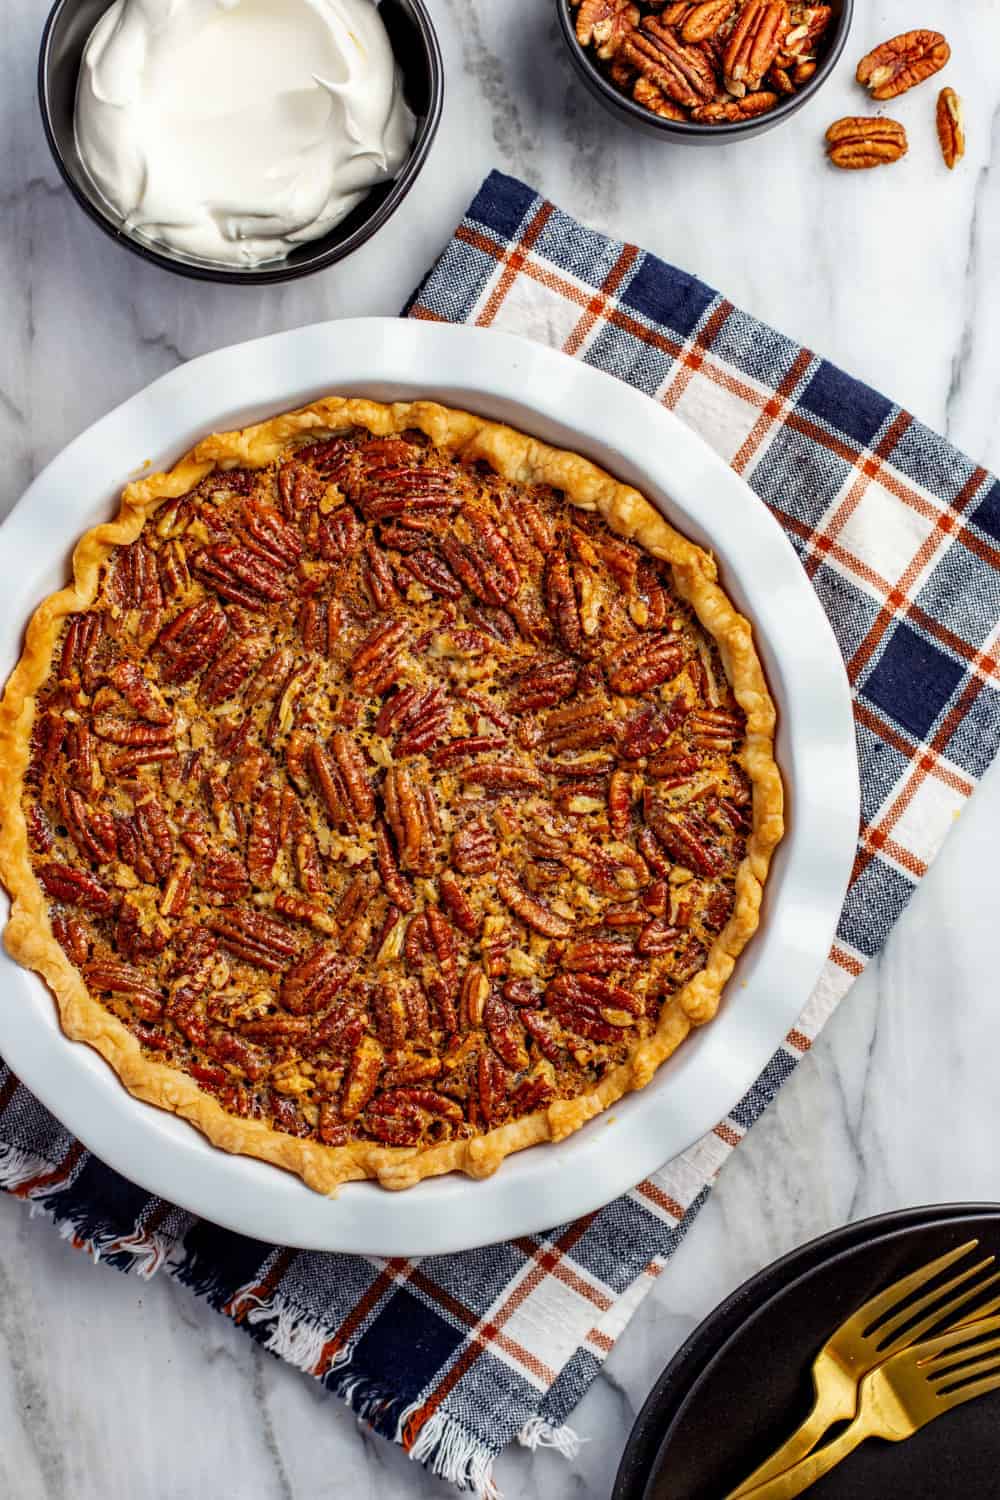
x: 112, y: 1386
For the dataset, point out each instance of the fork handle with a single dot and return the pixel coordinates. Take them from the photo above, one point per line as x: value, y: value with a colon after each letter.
x: 805, y: 1473
x: 827, y: 1410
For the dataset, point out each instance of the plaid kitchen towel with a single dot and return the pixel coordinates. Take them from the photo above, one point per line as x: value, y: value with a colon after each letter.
x: 455, y: 1356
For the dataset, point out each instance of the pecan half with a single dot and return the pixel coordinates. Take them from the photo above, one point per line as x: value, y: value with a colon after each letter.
x: 499, y: 776
x: 581, y: 725
x: 340, y: 535
x: 396, y: 490
x: 74, y: 888
x: 505, y: 1032
x: 543, y: 1032
x: 400, y: 1013
x: 644, y: 664
x: 225, y: 875
x: 686, y: 837
x: 230, y: 670
x: 475, y: 993
x: 191, y: 640
x: 132, y: 984
x: 598, y: 956
x: 683, y: 73
x: 646, y: 93
x: 92, y: 830
x: 950, y: 127
x: 456, y: 903
x: 379, y: 579
x: 131, y: 732
x: 534, y: 914
x: 254, y: 937
x: 270, y: 675
x: 396, y: 887
x: 760, y: 30
x: 138, y: 691
x: 243, y: 576
x: 78, y: 661
x: 394, y: 1122
x: 362, y: 1077
x: 561, y: 603
x: 620, y: 803
x: 377, y: 663
x: 715, y: 728
x: 809, y: 23
x: 354, y: 775
x: 271, y: 535
x: 424, y: 722
x: 474, y: 849
x: 603, y: 23
x: 155, y: 838
x: 591, y: 1007
x: 492, y: 1086
x: 407, y: 817
x: 310, y: 984
x: 433, y: 572
x: 431, y: 948
x: 856, y: 143
x: 40, y: 835
x: 704, y: 20
x: 531, y: 1093
x: 265, y: 838
x: 71, y: 935
x: 735, y: 109
x: 497, y: 578
x: 902, y: 62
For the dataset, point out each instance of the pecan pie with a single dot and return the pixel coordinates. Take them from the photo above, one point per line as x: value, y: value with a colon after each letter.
x: 387, y: 793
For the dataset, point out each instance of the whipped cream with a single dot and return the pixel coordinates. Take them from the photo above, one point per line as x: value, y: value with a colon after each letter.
x: 234, y: 130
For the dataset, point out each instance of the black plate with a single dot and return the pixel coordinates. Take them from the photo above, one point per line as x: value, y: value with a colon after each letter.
x: 759, y: 1412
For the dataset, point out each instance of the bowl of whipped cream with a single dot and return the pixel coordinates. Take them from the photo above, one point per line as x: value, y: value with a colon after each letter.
x: 240, y: 140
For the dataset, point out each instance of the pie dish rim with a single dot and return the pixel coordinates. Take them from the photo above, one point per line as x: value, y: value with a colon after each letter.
x: 572, y: 403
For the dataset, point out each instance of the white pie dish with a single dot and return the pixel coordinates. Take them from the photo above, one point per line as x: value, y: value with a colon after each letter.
x: 572, y: 405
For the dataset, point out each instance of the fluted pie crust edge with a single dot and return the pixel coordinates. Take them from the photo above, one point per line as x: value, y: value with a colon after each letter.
x: 516, y: 457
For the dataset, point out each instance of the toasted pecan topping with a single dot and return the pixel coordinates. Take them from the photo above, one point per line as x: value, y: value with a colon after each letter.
x: 388, y: 799
x: 856, y: 143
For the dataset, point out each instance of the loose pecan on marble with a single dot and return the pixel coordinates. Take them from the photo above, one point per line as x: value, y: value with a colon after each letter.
x: 856, y: 143
x: 902, y: 62
x: 950, y: 127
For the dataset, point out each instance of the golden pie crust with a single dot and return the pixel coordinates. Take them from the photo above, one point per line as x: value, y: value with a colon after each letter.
x: 650, y: 611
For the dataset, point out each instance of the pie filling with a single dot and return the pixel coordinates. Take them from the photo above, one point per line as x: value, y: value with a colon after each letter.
x: 388, y: 799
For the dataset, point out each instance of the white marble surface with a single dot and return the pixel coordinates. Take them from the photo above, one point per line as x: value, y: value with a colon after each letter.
x: 112, y: 1387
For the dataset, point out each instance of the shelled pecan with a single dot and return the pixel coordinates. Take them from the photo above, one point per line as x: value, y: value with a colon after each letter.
x: 856, y: 143
x: 902, y: 62
x: 950, y: 127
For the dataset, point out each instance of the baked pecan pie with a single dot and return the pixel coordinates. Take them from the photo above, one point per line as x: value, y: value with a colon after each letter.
x: 388, y: 792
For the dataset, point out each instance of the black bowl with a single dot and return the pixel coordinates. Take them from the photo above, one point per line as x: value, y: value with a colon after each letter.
x: 689, y: 131
x: 415, y: 45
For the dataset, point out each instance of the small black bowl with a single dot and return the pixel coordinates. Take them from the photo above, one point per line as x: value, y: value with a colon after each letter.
x: 690, y: 132
x: 415, y: 45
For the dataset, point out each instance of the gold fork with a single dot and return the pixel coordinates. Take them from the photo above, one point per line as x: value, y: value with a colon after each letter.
x: 853, y: 1350
x: 897, y: 1399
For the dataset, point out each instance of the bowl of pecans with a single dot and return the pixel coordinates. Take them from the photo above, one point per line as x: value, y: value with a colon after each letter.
x: 704, y: 70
